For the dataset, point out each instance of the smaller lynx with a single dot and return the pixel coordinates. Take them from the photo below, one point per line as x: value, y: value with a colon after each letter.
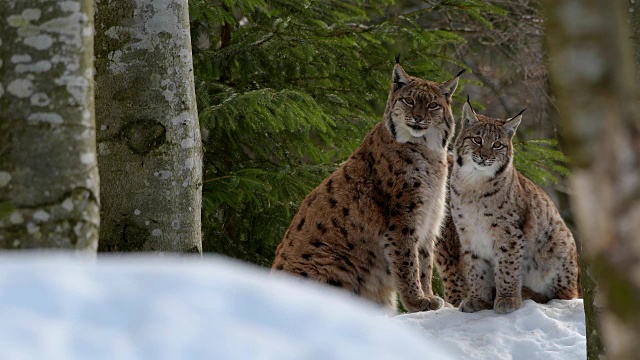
x: 369, y: 228
x: 447, y: 257
x: 511, y: 234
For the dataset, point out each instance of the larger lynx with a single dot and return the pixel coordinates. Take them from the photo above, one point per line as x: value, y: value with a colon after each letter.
x: 369, y: 227
x: 511, y: 233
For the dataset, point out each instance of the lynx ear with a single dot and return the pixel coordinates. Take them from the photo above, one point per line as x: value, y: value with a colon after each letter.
x: 447, y: 88
x: 469, y: 117
x: 400, y: 77
x: 512, y: 124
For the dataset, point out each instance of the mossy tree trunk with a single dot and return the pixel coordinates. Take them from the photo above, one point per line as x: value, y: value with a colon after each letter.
x: 634, y: 10
x: 592, y: 66
x: 48, y: 170
x: 149, y: 146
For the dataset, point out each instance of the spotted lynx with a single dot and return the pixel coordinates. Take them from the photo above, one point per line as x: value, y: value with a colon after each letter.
x: 447, y: 258
x: 448, y: 261
x: 369, y: 227
x: 511, y: 234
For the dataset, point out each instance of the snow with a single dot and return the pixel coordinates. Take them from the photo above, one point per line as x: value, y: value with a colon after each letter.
x: 134, y: 307
x: 185, y: 308
x: 552, y: 331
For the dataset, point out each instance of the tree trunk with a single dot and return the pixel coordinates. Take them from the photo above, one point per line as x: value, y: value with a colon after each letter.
x: 49, y: 187
x: 149, y: 145
x: 592, y: 66
x: 634, y: 9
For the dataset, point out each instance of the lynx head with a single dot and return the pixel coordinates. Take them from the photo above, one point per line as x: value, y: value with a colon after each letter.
x: 419, y: 111
x: 484, y: 144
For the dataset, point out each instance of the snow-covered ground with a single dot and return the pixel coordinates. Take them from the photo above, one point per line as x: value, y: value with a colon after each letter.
x: 58, y: 307
x: 552, y: 331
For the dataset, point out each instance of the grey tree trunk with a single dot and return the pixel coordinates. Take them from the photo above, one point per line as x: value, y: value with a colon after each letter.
x: 48, y: 171
x: 592, y: 66
x: 149, y: 146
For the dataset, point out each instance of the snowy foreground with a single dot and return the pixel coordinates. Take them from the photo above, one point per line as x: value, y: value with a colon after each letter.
x: 55, y: 307
x: 552, y: 331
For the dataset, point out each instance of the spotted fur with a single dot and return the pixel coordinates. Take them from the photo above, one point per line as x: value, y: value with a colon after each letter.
x: 511, y: 234
x: 369, y: 228
x: 448, y: 261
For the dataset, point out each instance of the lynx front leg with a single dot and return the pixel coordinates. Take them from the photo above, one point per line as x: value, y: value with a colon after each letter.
x: 449, y: 263
x: 508, y: 274
x: 402, y: 252
x: 455, y: 289
x: 425, y: 257
x: 480, y: 281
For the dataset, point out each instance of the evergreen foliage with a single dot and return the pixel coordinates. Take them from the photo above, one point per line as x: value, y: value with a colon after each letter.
x: 286, y: 91
x: 539, y: 160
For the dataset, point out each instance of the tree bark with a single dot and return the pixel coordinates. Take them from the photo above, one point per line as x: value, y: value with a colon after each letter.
x: 592, y: 66
x: 149, y: 145
x: 634, y: 9
x: 49, y: 187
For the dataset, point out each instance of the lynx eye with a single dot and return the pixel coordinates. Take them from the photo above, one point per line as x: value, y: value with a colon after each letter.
x: 433, y: 106
x: 408, y: 101
x: 497, y: 145
x: 477, y: 140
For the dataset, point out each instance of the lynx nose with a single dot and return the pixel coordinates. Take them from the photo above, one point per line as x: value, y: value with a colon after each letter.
x: 418, y: 118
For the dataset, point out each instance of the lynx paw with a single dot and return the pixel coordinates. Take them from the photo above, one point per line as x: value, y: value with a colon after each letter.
x: 435, y: 303
x: 425, y: 304
x: 505, y: 305
x: 470, y: 305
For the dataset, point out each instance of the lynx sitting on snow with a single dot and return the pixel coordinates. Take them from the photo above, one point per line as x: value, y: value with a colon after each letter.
x: 511, y: 234
x: 369, y: 228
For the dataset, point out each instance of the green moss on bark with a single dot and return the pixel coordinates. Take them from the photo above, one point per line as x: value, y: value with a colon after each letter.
x: 47, y: 150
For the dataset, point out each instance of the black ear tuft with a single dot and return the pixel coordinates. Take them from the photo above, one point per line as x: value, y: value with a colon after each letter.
x: 461, y: 72
x: 469, y: 102
x: 512, y: 124
x: 397, y: 58
x: 469, y: 117
x: 520, y: 113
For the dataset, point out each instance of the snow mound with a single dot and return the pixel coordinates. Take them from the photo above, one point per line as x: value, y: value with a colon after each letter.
x: 537, y: 331
x: 54, y: 307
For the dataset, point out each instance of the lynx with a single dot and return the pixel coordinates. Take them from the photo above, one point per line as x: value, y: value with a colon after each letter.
x: 369, y: 228
x: 448, y: 259
x: 511, y: 234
